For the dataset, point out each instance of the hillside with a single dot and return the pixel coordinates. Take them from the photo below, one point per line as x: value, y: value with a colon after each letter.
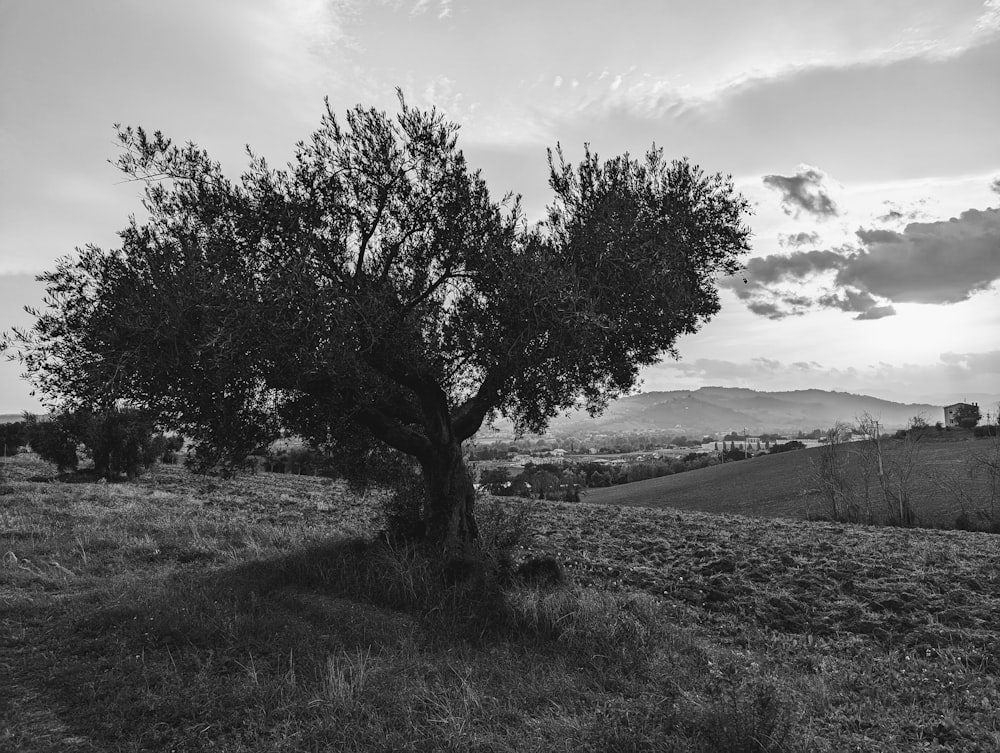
x: 723, y: 409
x: 183, y: 613
x: 783, y: 485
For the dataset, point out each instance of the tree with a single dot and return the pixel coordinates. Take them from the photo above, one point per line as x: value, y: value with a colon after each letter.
x: 53, y: 440
x: 373, y: 292
x: 968, y: 416
x: 12, y: 437
x: 831, y: 470
x: 117, y: 441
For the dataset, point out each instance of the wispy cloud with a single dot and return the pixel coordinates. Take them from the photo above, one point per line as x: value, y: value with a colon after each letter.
x: 797, y: 240
x: 894, y: 213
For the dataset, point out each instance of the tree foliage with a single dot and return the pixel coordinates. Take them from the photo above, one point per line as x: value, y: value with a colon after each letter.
x: 13, y: 436
x: 968, y: 416
x: 372, y: 292
x: 53, y: 440
x: 118, y: 441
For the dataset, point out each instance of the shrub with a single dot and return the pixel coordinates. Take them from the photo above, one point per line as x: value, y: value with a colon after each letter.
x: 120, y: 441
x: 541, y: 571
x: 747, y: 717
x: 52, y: 440
x: 117, y: 440
x: 12, y: 437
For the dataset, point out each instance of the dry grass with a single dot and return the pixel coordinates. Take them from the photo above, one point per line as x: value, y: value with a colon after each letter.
x: 176, y: 614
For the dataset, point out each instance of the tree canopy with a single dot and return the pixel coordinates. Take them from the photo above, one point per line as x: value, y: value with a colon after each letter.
x: 373, y: 291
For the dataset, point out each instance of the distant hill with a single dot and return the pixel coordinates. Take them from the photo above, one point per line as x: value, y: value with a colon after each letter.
x: 11, y: 418
x: 723, y: 409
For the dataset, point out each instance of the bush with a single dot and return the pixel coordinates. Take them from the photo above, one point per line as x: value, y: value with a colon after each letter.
x: 117, y: 440
x: 121, y: 441
x: 52, y: 440
x: 12, y: 437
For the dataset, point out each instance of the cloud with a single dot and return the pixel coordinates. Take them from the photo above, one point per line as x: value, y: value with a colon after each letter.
x: 928, y: 262
x: 806, y: 191
x: 876, y: 312
x: 796, y: 240
x: 797, y: 265
x: 854, y: 300
x: 812, y: 110
x: 995, y: 185
x: 770, y: 310
x: 983, y: 363
x: 897, y: 214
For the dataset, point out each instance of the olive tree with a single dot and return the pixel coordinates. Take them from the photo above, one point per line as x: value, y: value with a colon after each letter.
x: 373, y: 293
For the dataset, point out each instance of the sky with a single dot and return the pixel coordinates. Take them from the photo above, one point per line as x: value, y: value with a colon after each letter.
x: 865, y: 134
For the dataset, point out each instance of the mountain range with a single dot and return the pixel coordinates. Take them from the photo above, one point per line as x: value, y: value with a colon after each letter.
x: 725, y: 409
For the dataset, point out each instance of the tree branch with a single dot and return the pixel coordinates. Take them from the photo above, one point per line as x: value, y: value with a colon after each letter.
x: 366, y: 236
x: 469, y: 416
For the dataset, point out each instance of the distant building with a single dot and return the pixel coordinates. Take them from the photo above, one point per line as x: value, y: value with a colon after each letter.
x: 953, y: 413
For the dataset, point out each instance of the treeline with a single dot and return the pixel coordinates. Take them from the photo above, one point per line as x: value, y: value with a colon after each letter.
x: 604, y: 444
x: 882, y: 479
x: 116, y: 442
x: 569, y: 481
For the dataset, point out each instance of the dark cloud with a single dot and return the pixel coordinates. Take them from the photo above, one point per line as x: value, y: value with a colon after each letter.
x: 770, y: 310
x: 793, y: 266
x: 878, y: 235
x: 859, y: 301
x: 876, y: 312
x: 795, y: 240
x: 995, y: 185
x: 804, y: 192
x: 928, y: 262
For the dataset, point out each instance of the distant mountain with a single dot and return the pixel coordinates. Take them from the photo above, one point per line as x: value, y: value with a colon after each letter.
x: 724, y: 409
x: 10, y: 418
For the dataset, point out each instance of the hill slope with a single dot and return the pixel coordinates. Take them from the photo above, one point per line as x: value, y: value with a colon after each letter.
x: 175, y: 613
x: 783, y: 485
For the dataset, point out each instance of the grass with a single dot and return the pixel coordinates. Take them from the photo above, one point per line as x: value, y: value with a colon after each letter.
x: 783, y: 485
x: 253, y: 615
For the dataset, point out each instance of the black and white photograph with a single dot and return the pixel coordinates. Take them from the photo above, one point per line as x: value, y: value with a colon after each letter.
x: 464, y: 375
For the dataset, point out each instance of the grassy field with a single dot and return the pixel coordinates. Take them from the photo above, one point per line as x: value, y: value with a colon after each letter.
x: 783, y: 485
x: 186, y: 614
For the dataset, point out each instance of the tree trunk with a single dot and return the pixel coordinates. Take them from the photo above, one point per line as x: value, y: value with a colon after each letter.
x: 450, y: 524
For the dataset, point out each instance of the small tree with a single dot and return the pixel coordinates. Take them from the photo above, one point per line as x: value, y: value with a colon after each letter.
x: 53, y: 439
x: 891, y: 463
x: 374, y: 292
x: 117, y: 441
x: 832, y: 471
x: 13, y: 436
